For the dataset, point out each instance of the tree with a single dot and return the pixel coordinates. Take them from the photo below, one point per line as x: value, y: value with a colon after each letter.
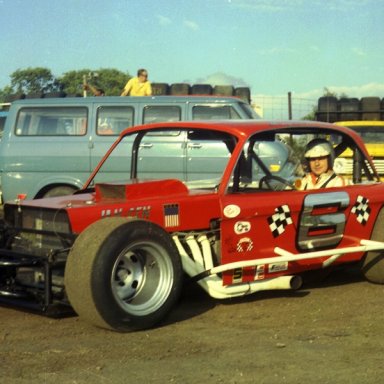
x: 5, y: 93
x: 40, y: 80
x: 110, y: 80
x: 328, y: 92
x: 33, y: 80
x: 311, y: 115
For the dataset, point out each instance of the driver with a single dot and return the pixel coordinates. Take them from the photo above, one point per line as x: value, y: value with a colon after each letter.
x: 319, y: 157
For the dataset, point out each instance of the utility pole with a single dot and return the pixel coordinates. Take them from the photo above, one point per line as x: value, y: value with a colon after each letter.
x: 289, y: 105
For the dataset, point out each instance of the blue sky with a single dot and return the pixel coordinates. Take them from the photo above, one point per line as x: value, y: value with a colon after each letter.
x: 272, y: 46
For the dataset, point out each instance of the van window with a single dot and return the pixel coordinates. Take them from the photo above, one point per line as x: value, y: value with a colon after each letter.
x: 113, y: 120
x: 52, y: 121
x: 155, y: 114
x: 249, y: 111
x: 214, y: 112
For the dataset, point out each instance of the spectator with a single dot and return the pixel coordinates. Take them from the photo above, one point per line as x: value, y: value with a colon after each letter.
x: 138, y: 86
x: 319, y: 157
x: 104, y: 127
x: 95, y: 90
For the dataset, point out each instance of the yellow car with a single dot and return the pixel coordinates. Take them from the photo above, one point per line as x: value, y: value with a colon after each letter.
x: 372, y: 133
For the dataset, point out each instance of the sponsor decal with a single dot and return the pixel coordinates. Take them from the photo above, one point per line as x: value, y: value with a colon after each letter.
x: 278, y: 221
x: 245, y: 244
x: 111, y: 212
x: 142, y: 212
x: 278, y: 267
x: 259, y: 275
x: 231, y: 211
x: 237, y: 276
x: 361, y: 209
x: 241, y: 227
x: 171, y: 215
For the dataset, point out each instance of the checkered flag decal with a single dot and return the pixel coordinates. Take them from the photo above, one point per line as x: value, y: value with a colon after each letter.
x: 279, y: 220
x: 361, y: 209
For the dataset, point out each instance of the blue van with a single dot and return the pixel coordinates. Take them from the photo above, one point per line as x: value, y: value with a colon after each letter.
x: 50, y: 146
x: 3, y: 115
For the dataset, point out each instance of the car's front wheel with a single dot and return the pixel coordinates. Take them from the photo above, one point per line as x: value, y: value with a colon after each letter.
x: 123, y: 275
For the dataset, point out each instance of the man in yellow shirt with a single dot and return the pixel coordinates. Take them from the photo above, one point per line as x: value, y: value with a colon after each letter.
x: 138, y: 86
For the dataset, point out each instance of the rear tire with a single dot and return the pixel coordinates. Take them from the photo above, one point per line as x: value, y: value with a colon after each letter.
x: 348, y: 109
x: 373, y: 262
x: 327, y: 109
x: 370, y: 107
x: 159, y: 89
x: 201, y: 89
x: 123, y: 275
x: 244, y: 93
x: 223, y: 90
x: 180, y: 89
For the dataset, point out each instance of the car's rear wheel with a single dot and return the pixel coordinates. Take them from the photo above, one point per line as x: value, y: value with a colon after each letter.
x: 123, y: 275
x: 373, y: 262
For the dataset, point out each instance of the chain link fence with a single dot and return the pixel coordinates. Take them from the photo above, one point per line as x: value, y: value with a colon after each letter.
x: 285, y: 107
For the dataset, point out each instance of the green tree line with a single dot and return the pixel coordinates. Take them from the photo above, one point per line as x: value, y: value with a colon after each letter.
x: 41, y: 80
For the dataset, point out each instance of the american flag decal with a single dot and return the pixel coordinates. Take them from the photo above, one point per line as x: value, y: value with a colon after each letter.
x: 171, y: 215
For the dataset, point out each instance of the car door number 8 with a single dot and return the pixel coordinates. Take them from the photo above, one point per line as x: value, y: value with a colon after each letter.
x: 322, y: 220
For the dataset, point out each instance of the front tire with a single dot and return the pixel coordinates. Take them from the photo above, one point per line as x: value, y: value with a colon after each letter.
x: 123, y: 275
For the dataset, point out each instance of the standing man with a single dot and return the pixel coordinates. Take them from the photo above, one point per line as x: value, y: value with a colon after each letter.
x: 138, y: 86
x: 95, y: 90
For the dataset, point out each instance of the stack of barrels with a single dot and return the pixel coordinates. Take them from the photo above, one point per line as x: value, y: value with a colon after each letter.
x: 201, y: 89
x: 332, y: 109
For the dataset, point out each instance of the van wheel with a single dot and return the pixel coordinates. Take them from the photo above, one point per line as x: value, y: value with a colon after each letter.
x: 373, y: 262
x: 61, y: 190
x: 123, y: 275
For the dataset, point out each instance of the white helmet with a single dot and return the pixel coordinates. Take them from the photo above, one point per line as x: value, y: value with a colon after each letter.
x: 320, y: 148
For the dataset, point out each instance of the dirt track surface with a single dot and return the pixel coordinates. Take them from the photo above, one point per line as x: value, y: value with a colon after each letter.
x: 324, y: 333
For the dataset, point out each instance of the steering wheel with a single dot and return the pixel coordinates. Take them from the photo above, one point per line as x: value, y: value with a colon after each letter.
x: 279, y: 186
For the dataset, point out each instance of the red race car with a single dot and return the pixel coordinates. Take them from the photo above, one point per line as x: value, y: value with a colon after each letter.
x: 251, y: 212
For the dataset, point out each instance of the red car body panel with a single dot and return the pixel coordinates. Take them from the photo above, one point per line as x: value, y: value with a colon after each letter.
x: 258, y: 236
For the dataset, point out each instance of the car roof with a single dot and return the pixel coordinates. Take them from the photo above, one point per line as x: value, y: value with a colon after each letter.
x: 242, y: 130
x: 245, y: 127
x: 128, y: 100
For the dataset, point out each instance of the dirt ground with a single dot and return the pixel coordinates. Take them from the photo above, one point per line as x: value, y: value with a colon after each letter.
x: 329, y: 332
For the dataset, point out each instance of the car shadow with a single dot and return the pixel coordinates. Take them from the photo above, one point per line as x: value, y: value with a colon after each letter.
x: 195, y: 301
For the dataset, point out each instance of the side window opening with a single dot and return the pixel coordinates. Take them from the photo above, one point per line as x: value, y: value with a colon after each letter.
x: 266, y: 164
x: 214, y: 112
x: 159, y: 113
x: 52, y: 121
x: 113, y: 120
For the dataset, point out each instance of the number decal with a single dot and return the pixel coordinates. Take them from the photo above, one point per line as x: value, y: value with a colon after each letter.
x: 322, y: 220
x: 237, y: 275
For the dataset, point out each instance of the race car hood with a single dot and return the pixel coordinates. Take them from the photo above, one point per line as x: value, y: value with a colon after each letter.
x: 136, y: 199
x: 139, y: 189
